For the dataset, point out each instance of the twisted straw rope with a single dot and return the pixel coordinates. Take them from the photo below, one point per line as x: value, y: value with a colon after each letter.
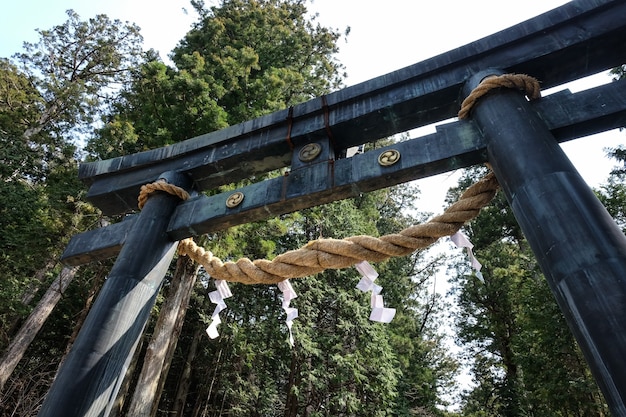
x: 321, y: 254
x: 160, y: 185
x: 521, y: 82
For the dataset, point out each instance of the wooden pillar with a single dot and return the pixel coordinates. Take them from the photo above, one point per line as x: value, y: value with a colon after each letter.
x: 89, y: 379
x: 580, y: 249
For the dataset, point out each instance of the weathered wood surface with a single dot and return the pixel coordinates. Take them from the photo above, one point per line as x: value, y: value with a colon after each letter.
x: 577, y: 244
x: 578, y: 39
x: 98, y: 244
x: 454, y: 145
x: 90, y: 376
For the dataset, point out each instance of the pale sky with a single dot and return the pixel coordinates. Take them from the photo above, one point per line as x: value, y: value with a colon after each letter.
x: 385, y: 36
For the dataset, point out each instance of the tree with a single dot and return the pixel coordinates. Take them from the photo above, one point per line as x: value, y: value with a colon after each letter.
x: 523, y: 357
x: 163, y: 343
x: 49, y: 96
x: 76, y: 67
x: 23, y: 202
x: 241, y: 60
x: 53, y: 91
x: 264, y: 55
x: 206, y: 91
x: 341, y: 364
x: 24, y: 338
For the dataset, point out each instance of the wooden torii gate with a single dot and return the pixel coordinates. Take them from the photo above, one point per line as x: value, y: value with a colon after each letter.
x: 578, y: 246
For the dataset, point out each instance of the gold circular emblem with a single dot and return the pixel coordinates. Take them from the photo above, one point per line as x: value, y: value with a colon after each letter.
x: 389, y: 157
x: 309, y: 152
x: 234, y: 199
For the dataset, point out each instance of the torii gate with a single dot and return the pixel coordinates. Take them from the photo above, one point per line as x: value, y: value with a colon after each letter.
x: 578, y: 246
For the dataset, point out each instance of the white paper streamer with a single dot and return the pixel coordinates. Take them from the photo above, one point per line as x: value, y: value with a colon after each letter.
x: 288, y: 295
x: 461, y: 241
x: 217, y: 297
x: 379, y: 312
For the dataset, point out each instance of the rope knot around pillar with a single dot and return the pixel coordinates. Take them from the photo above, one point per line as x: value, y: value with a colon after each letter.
x: 160, y: 185
x: 529, y: 85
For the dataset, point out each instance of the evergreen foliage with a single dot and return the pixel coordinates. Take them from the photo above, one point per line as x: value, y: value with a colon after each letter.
x: 49, y: 96
x: 523, y: 358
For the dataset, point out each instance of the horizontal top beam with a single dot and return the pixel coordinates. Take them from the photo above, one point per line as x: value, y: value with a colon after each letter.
x: 454, y: 145
x: 580, y: 38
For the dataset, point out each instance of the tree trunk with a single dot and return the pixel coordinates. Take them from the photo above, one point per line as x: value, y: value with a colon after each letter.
x: 190, y: 273
x: 118, y: 406
x: 29, y: 294
x: 291, y: 404
x: 95, y: 287
x: 46, y: 116
x: 185, y: 379
x: 33, y: 324
x: 40, y: 277
x: 156, y: 363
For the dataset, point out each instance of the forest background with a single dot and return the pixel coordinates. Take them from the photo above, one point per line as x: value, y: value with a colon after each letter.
x: 120, y: 98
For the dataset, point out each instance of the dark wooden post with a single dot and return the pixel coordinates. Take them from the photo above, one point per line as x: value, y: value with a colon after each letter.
x: 580, y: 249
x: 89, y: 379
